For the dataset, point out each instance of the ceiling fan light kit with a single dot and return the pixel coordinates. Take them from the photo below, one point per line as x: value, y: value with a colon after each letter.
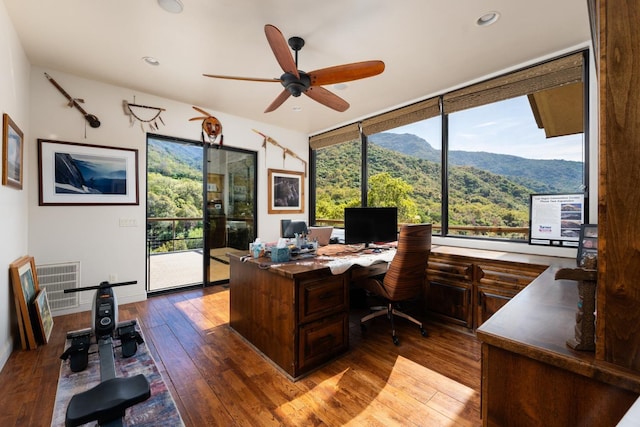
x: 296, y: 82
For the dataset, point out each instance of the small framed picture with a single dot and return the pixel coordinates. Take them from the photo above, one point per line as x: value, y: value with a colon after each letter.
x: 43, y: 312
x: 588, y: 246
x: 12, y: 149
x: 24, y: 279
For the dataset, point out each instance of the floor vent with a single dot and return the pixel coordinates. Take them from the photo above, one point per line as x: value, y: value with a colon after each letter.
x: 55, y: 278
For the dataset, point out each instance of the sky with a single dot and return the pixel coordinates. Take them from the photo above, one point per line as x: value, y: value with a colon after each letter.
x: 515, y: 133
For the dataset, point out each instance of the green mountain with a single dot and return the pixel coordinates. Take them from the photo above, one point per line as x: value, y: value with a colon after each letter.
x: 175, y: 160
x: 540, y: 176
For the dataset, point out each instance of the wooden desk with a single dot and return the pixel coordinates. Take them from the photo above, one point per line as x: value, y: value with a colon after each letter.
x: 530, y: 377
x: 296, y: 314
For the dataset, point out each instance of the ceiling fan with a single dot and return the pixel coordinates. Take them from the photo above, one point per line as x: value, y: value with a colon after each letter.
x: 296, y: 82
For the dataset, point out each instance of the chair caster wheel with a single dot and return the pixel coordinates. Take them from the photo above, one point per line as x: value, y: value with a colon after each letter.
x: 396, y: 341
x: 423, y: 332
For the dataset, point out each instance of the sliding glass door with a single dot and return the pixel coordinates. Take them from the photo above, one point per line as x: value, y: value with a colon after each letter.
x: 200, y: 207
x: 230, y: 208
x: 174, y: 213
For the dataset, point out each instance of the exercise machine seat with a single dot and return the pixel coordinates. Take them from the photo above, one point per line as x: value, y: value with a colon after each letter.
x: 108, y: 400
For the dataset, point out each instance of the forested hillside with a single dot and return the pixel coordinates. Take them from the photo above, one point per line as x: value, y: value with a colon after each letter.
x: 485, y: 189
x: 174, y: 190
x: 480, y: 197
x: 540, y: 176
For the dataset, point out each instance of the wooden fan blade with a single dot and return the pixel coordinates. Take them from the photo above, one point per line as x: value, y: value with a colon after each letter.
x: 284, y: 95
x: 200, y: 110
x: 346, y: 72
x: 324, y: 97
x: 281, y: 50
x: 248, y: 79
x: 198, y: 118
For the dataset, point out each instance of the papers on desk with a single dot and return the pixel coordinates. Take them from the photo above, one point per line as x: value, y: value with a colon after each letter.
x: 342, y: 264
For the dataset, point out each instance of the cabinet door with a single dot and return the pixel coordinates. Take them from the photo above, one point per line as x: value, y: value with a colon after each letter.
x: 489, y: 301
x: 449, y: 301
x: 448, y: 289
x: 498, y: 282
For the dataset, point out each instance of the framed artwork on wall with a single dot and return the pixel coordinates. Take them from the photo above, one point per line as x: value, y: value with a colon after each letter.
x: 82, y: 174
x: 12, y: 153
x: 286, y: 191
x: 24, y: 281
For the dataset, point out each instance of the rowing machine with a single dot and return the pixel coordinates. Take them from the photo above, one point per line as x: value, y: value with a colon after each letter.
x: 107, y: 401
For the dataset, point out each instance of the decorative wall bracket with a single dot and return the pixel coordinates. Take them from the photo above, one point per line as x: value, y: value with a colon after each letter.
x: 284, y: 149
x: 134, y: 114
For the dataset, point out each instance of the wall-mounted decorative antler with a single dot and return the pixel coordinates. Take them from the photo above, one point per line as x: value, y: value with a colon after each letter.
x: 285, y: 150
x: 153, y: 124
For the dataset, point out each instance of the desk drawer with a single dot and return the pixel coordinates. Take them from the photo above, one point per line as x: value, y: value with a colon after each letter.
x: 319, y: 298
x: 321, y: 340
x: 362, y: 273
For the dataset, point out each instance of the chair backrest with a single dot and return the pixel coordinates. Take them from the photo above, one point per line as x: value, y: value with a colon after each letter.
x: 408, y: 269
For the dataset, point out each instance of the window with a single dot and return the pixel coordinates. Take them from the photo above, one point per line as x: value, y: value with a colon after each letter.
x: 336, y: 164
x: 498, y: 157
x: 468, y: 160
x: 404, y: 170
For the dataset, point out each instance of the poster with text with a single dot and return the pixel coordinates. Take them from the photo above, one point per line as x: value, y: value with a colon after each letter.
x: 556, y: 219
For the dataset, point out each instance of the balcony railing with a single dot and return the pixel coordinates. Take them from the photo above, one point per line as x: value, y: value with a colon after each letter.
x: 170, y: 234
x: 517, y: 233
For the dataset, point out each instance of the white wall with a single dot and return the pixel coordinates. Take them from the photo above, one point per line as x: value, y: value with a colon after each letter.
x: 14, y: 98
x: 92, y: 234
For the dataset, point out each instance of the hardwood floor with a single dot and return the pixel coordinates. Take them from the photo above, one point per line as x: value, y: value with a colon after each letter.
x: 218, y: 379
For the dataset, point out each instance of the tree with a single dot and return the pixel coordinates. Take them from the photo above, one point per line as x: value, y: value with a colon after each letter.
x: 384, y: 190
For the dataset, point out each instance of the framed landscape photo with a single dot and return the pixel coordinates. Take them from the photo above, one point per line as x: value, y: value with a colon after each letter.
x: 12, y: 153
x: 588, y: 247
x: 286, y: 191
x: 82, y: 174
x: 43, y: 312
x: 24, y: 281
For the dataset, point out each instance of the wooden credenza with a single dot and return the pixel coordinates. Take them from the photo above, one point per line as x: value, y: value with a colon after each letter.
x: 467, y: 286
x: 530, y: 377
x: 296, y: 314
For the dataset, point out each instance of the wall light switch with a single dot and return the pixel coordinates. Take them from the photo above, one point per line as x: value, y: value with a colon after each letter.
x: 128, y: 222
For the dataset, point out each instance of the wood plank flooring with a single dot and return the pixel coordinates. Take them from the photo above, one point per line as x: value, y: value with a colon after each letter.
x: 217, y: 379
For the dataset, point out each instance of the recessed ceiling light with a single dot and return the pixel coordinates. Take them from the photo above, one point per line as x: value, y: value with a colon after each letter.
x: 296, y: 108
x: 172, y: 6
x: 340, y: 86
x: 151, y: 60
x: 488, y: 19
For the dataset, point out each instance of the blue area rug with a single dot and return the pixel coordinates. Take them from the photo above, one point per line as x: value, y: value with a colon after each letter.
x: 159, y: 410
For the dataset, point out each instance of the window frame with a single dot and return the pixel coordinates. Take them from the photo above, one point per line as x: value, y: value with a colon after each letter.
x: 416, y: 112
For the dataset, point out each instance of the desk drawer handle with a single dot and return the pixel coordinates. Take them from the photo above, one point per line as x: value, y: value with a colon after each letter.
x: 326, y: 295
x: 329, y: 337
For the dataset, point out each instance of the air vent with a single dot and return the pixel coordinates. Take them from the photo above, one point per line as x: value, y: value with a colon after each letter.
x: 55, y: 278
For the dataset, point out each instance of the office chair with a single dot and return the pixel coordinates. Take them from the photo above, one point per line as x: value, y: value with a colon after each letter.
x: 405, y: 277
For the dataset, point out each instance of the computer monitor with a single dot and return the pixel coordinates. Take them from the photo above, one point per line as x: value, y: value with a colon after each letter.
x: 370, y: 225
x: 289, y: 228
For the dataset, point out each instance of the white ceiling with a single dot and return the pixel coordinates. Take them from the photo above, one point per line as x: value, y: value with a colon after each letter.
x: 428, y: 46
